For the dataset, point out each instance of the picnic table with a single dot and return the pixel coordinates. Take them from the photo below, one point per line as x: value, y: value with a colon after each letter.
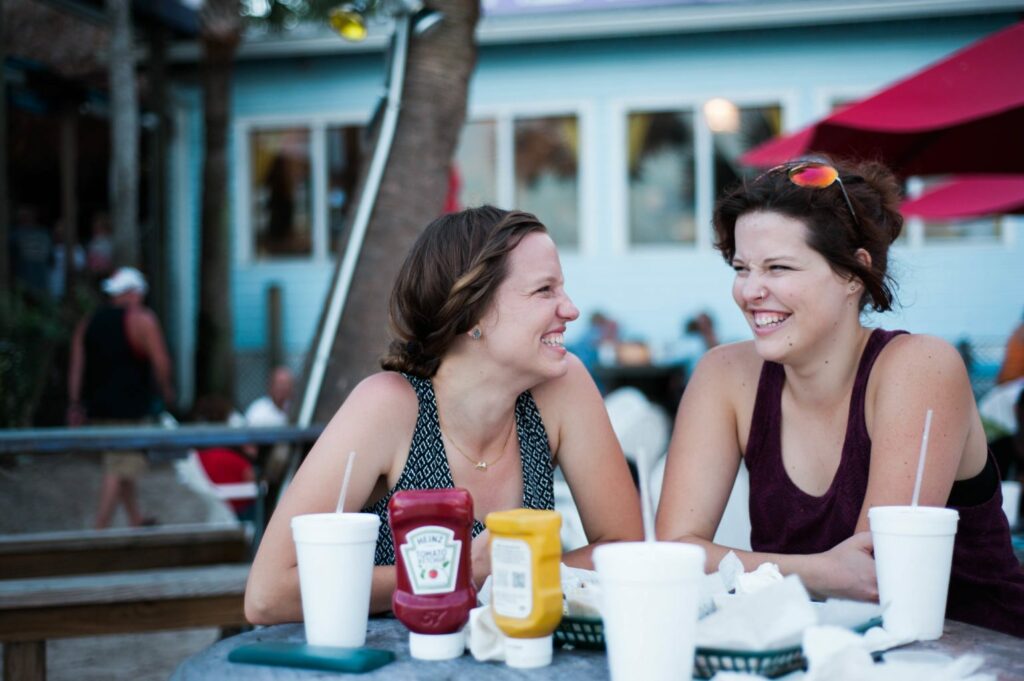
x: 1000, y: 652
x: 92, y: 583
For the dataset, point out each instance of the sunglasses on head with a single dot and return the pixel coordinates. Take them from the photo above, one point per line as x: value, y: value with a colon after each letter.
x: 814, y: 175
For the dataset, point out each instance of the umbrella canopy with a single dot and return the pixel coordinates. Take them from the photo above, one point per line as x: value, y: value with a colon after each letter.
x: 963, y: 114
x: 969, y: 196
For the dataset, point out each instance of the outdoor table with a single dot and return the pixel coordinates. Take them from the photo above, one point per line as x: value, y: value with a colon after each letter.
x: 1002, y: 656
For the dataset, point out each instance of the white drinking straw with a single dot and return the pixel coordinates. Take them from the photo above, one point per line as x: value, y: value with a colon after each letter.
x: 643, y: 465
x: 344, y: 482
x: 920, y: 459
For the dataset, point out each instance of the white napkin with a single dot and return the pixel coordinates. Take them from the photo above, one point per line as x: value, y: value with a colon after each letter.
x: 581, y: 592
x: 774, y: 617
x: 838, y: 654
x: 485, y: 640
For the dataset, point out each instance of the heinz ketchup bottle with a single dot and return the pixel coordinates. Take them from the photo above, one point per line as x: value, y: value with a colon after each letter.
x: 432, y: 530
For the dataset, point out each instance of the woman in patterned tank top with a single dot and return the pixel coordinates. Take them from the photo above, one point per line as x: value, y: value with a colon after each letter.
x: 826, y: 413
x: 477, y: 392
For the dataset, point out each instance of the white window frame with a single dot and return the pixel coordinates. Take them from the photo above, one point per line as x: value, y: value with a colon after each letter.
x: 504, y: 117
x: 317, y: 124
x: 704, y: 199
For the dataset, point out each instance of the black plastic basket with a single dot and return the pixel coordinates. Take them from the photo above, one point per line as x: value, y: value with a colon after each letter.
x: 581, y: 632
x: 588, y: 633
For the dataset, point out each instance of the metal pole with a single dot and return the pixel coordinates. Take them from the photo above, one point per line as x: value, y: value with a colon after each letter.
x: 367, y: 201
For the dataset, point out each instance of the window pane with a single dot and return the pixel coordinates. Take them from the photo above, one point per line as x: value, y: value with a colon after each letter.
x: 280, y: 181
x: 986, y: 229
x: 476, y: 165
x: 755, y: 125
x: 661, y: 177
x: 546, y: 167
x: 345, y: 154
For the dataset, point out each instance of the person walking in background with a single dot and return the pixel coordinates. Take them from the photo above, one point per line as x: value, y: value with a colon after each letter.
x: 117, y: 354
x: 1013, y: 361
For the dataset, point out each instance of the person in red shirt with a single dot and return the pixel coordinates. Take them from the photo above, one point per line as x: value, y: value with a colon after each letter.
x: 224, y: 465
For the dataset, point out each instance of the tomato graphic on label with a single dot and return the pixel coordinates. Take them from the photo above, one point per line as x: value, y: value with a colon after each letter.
x: 432, y: 574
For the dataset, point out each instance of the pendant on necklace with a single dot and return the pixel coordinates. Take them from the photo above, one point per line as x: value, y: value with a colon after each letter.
x: 481, y: 466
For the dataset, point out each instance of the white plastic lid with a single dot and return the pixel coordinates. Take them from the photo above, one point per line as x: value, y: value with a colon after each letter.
x: 335, y: 528
x: 913, y: 520
x: 437, y: 646
x: 526, y: 653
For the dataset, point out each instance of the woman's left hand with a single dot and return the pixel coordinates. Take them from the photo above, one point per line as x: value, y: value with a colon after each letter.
x: 847, y: 570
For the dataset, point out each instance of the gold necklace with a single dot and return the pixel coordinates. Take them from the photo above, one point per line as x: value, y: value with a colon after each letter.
x: 479, y: 464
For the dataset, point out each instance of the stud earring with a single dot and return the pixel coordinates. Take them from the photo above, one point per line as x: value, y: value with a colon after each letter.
x: 476, y: 333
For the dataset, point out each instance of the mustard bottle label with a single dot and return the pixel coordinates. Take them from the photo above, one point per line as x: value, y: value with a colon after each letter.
x: 431, y: 556
x: 513, y: 577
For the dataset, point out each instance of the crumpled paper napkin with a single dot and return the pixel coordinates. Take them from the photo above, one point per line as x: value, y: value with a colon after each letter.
x: 774, y: 617
x: 485, y: 640
x: 838, y: 654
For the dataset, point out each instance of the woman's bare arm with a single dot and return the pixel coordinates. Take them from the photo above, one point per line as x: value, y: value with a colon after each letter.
x: 591, y: 460
x: 376, y: 421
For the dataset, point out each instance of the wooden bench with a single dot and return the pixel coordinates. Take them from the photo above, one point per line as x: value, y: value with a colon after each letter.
x: 119, y: 550
x: 69, y: 584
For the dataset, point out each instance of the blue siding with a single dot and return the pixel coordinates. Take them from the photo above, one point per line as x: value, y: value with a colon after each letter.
x: 952, y: 291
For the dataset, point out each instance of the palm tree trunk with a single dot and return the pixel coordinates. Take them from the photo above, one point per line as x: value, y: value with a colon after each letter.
x: 124, y: 135
x: 412, y: 191
x: 220, y: 34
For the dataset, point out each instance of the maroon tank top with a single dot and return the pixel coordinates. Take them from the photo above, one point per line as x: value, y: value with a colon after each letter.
x: 987, y: 583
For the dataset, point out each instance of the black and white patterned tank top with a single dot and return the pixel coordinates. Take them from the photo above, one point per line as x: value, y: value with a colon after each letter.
x: 427, y: 466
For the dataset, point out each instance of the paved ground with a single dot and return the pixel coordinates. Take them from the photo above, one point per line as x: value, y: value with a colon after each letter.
x: 43, y: 493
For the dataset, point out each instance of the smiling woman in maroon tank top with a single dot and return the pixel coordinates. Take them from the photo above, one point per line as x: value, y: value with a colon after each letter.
x: 827, y: 414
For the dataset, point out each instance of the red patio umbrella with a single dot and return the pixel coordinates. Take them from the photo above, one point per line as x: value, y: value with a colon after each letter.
x: 963, y: 114
x: 969, y: 196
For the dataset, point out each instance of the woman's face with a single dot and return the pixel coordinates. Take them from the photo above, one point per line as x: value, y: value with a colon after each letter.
x: 793, y: 300
x: 525, y: 325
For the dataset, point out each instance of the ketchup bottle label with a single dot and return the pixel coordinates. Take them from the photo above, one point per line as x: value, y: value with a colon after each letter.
x: 513, y: 579
x: 431, y: 556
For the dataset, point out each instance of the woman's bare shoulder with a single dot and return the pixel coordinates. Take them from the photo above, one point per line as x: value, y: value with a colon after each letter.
x: 382, y: 399
x: 732, y: 363
x: 910, y: 352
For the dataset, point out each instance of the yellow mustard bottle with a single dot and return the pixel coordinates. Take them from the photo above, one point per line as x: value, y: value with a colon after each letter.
x: 526, y: 600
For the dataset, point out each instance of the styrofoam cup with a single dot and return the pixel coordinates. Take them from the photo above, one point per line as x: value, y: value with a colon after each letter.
x: 335, y: 555
x: 913, y: 557
x: 1011, y: 501
x: 649, y: 597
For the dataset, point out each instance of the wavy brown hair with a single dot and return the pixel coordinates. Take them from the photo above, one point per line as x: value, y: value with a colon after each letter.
x: 832, y: 231
x: 447, y: 282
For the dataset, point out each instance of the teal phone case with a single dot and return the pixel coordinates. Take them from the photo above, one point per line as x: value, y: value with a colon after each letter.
x: 283, y: 654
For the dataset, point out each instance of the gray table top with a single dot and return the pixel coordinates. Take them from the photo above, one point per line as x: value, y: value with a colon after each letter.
x: 1002, y: 655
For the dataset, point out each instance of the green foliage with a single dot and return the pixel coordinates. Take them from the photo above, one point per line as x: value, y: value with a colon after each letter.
x: 32, y: 327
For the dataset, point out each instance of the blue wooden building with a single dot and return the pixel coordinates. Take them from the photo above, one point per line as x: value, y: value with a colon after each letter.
x: 618, y: 125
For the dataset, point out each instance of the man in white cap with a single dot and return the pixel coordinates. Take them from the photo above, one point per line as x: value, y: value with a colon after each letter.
x: 117, y: 354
